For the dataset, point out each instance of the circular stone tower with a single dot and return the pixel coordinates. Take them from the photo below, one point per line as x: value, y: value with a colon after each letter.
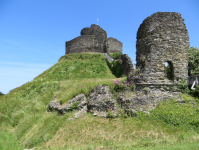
x: 162, y: 38
x: 100, y: 35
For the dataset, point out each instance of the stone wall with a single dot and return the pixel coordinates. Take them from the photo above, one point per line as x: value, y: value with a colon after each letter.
x: 163, y: 37
x: 146, y: 97
x: 114, y: 45
x: 93, y: 39
x: 80, y: 44
x: 127, y: 64
x: 99, y: 33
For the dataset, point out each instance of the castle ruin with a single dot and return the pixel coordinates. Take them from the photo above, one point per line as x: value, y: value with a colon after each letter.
x: 93, y: 39
x: 162, y: 37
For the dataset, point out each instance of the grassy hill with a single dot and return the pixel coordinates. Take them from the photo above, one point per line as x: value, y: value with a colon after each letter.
x: 24, y: 122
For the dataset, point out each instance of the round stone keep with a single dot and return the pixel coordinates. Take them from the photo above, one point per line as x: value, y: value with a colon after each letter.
x: 162, y: 37
x: 99, y: 33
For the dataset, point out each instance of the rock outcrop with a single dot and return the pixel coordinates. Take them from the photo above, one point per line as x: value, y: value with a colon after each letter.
x: 99, y: 103
x: 78, y: 103
x: 101, y: 100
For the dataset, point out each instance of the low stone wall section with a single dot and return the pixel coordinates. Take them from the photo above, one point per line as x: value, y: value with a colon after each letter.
x: 114, y: 45
x: 146, y: 97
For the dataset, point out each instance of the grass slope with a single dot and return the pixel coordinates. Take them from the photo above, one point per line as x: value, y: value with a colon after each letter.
x: 25, y: 123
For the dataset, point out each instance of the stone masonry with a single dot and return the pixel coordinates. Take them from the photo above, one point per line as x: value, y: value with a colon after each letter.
x: 114, y: 45
x: 163, y: 37
x: 93, y: 39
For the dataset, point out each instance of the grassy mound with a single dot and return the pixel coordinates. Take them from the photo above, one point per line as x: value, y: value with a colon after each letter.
x: 80, y: 65
x: 25, y: 123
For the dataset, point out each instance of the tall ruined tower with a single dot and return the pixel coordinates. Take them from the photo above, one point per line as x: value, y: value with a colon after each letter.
x: 163, y: 37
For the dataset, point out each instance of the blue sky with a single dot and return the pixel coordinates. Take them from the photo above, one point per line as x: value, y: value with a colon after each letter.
x: 33, y: 32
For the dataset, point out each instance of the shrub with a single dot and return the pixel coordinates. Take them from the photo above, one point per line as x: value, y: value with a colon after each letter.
x: 184, y: 87
x: 195, y: 92
x: 119, y: 85
x: 193, y: 54
x: 115, y: 67
x: 116, y: 55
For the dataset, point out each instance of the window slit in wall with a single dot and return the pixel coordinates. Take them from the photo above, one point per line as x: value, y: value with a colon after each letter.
x: 169, y: 70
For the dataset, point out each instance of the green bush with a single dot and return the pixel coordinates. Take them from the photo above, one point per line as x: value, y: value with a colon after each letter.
x: 115, y: 67
x: 116, y: 55
x: 184, y: 87
x: 195, y: 92
x: 193, y: 54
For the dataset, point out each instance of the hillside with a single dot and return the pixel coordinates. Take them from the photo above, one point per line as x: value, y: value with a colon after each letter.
x: 25, y: 122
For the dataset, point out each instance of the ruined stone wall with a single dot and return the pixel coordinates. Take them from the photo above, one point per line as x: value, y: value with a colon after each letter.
x: 81, y: 44
x: 163, y: 37
x: 127, y: 64
x: 114, y: 45
x: 146, y: 97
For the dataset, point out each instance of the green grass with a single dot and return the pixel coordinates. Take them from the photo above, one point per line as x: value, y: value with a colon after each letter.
x: 25, y: 123
x: 76, y: 66
x: 8, y: 142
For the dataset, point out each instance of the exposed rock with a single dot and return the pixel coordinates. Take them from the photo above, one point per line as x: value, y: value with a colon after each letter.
x: 80, y: 99
x: 62, y: 109
x: 143, y: 100
x: 101, y: 100
x: 54, y: 105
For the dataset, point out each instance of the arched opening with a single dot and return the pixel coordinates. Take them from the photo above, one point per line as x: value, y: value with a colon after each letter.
x: 168, y: 68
